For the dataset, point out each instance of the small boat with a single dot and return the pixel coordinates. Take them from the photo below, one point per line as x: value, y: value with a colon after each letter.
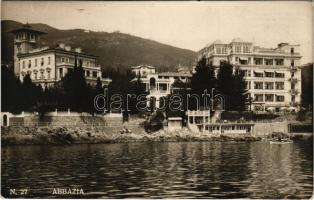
x: 280, y: 138
x: 283, y: 141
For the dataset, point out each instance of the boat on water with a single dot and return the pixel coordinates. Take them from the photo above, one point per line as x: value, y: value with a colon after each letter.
x: 280, y: 138
x: 284, y: 141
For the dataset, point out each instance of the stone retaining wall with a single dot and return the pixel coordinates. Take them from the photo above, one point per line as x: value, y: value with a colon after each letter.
x: 264, y: 129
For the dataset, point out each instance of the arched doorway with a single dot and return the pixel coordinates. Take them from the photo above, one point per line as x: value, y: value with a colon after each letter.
x: 152, y: 83
x: 5, y: 120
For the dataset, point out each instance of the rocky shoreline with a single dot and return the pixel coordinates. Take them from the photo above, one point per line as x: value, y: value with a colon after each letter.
x: 76, y: 135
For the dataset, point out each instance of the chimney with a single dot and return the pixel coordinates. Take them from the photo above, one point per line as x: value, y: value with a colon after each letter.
x: 78, y: 50
x: 67, y: 48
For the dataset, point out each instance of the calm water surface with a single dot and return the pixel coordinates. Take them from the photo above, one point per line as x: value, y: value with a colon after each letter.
x: 162, y: 170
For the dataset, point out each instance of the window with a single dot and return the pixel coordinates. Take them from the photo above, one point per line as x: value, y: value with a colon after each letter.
x: 35, y: 74
x: 246, y: 49
x: 292, y: 50
x: 293, y: 99
x: 94, y: 74
x: 258, y: 97
x: 279, y: 62
x: 258, y: 61
x: 268, y: 61
x: 68, y: 60
x: 224, y: 50
x: 269, y: 74
x: 246, y: 73
x: 269, y: 97
x: 62, y: 59
x: 23, y: 64
x: 248, y: 85
x: 29, y: 63
x: 36, y: 62
x: 280, y: 85
x: 88, y: 73
x: 48, y: 74
x: 269, y: 86
x: 236, y: 59
x: 61, y: 72
x: 280, y: 75
x: 280, y: 98
x: 48, y: 60
x: 42, y: 61
x: 258, y: 74
x: 258, y: 85
x: 218, y: 50
x: 87, y: 63
x: 41, y: 75
x: 292, y: 63
x: 243, y: 61
x: 237, y: 48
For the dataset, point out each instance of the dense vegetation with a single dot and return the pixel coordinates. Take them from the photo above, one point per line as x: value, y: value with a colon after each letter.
x: 307, y: 86
x: 72, y: 92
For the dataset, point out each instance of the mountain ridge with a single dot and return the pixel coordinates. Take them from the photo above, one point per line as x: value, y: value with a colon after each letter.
x: 114, y: 49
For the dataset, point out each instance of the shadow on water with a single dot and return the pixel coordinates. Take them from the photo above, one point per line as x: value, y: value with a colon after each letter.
x: 162, y: 170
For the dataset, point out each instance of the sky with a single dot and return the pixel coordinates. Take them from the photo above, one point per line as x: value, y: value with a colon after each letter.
x: 189, y: 25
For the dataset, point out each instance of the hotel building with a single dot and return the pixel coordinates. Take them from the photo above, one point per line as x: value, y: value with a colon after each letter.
x: 272, y: 75
x: 159, y: 85
x: 47, y: 65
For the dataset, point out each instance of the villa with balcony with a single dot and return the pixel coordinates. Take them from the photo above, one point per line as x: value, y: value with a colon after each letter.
x: 158, y: 85
x: 272, y: 75
x: 48, y: 65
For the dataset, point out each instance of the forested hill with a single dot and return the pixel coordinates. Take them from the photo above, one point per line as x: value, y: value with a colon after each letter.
x: 114, y: 49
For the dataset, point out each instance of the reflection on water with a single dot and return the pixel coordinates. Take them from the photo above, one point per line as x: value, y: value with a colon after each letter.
x: 160, y: 170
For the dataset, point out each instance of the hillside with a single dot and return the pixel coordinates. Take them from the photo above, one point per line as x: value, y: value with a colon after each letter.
x: 114, y: 49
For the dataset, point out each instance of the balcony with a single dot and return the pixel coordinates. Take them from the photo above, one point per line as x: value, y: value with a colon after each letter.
x: 293, y: 80
x: 293, y: 68
x: 155, y: 91
x: 294, y: 92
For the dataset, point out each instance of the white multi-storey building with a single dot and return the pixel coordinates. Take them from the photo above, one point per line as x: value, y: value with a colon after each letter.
x: 46, y: 65
x: 272, y: 75
x: 158, y: 85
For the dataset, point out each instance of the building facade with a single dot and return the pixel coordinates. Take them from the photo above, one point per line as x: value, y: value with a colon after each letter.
x: 47, y: 65
x: 158, y: 85
x: 272, y: 75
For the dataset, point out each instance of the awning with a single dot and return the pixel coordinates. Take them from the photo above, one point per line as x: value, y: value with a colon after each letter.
x: 258, y: 71
x: 269, y: 71
x: 270, y: 109
x: 243, y: 58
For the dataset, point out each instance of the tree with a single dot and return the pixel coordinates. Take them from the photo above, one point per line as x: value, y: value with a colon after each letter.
x: 239, y: 97
x: 99, y: 88
x: 225, y: 83
x: 138, y: 88
x: 30, y: 93
x: 203, y: 79
x: 77, y: 92
x: 11, y: 90
x: 307, y: 86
